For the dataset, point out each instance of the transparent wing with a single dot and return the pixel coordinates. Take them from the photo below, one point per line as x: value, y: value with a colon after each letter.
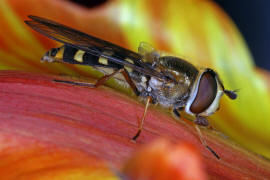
x: 145, y: 48
x: 90, y: 44
x: 148, y: 52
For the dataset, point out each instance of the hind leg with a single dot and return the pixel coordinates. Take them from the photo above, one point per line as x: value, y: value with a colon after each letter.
x: 99, y: 82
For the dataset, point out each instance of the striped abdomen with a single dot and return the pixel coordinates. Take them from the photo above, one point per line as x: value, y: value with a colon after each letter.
x: 72, y: 55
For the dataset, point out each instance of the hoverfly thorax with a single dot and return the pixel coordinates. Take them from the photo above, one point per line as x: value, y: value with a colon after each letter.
x: 180, y: 76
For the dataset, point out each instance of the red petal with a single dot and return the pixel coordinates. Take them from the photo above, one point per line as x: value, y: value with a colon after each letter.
x: 100, y: 122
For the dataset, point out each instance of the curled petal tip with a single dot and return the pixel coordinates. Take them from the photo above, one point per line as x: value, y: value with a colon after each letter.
x: 162, y: 160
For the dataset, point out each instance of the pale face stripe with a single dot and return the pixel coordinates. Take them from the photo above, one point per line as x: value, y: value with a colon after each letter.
x: 79, y: 56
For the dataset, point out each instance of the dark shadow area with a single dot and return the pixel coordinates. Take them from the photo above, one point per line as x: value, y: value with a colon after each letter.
x: 89, y: 3
x: 253, y: 20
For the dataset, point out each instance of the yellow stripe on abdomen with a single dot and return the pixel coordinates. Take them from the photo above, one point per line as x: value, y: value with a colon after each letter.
x: 103, y: 61
x: 60, y: 53
x: 79, y: 56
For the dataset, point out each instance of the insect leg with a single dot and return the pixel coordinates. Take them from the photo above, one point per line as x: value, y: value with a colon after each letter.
x: 204, y: 142
x: 130, y: 82
x: 142, y: 119
x: 74, y: 83
x: 102, y: 80
x: 176, y: 111
x: 99, y: 82
x: 202, y: 121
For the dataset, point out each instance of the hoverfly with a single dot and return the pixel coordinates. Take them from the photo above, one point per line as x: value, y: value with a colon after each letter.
x: 166, y: 80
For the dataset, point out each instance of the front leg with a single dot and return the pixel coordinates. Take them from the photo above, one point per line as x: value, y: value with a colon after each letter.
x: 203, y: 141
x: 176, y: 111
x: 202, y: 121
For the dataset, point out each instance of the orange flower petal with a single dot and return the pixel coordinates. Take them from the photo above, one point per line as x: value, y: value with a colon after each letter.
x: 162, y: 160
x: 197, y: 30
x: 26, y: 157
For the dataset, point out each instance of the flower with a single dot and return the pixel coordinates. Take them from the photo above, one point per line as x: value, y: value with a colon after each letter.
x: 197, y: 30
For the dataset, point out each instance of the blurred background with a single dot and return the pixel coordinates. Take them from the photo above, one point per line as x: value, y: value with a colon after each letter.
x: 252, y: 19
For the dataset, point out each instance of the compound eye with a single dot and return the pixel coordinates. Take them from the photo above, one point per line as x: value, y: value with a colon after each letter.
x: 206, y: 93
